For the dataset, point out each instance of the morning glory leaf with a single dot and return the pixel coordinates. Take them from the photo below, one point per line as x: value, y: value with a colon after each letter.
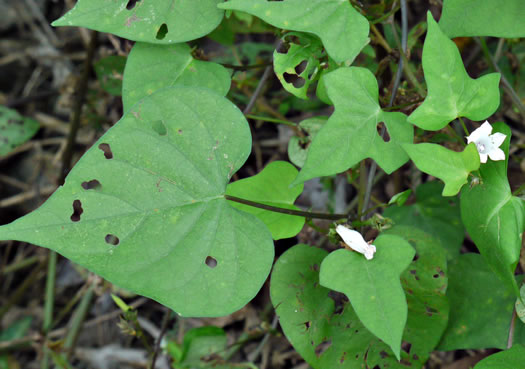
x: 479, y: 317
x: 298, y: 146
x: 271, y: 187
x: 325, y: 334
x: 152, y: 67
x: 425, y: 282
x: 351, y: 135
x: 373, y: 286
x: 297, y: 67
x: 513, y: 358
x: 436, y: 215
x: 145, y: 207
x: 493, y: 217
x: 451, y: 167
x: 483, y: 18
x: 343, y: 31
x: 451, y: 92
x: 160, y: 21
x: 14, y: 129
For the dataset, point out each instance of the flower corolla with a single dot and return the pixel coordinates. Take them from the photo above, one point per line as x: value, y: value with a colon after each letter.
x: 356, y: 242
x: 486, y: 143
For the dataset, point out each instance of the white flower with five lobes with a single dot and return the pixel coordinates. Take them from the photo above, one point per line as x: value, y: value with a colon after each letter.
x: 356, y: 242
x: 487, y: 144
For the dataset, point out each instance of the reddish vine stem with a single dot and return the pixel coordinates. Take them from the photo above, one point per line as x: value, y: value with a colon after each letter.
x: 306, y: 214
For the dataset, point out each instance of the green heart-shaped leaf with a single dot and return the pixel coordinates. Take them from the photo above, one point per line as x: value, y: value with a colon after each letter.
x: 159, y: 21
x: 451, y: 92
x: 343, y: 31
x: 373, y: 286
x: 451, y: 167
x: 152, y: 67
x: 493, y: 217
x: 479, y: 317
x: 351, y: 135
x: 271, y: 187
x: 483, y: 18
x: 145, y: 206
x: 513, y: 358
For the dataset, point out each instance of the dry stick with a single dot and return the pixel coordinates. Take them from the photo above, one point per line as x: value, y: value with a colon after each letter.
x: 404, y: 35
x: 163, y: 330
x: 77, y: 112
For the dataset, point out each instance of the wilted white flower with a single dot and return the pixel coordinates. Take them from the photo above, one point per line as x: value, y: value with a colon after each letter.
x: 356, y: 242
x: 487, y: 144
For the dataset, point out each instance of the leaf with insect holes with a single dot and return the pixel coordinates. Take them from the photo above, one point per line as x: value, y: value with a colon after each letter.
x: 373, y: 286
x: 351, y: 133
x: 298, y: 146
x: 297, y: 67
x: 451, y: 167
x: 325, y: 334
x: 145, y: 207
x: 159, y: 21
x: 343, y: 31
x: 271, y: 187
x: 493, y: 217
x: 14, y: 129
x: 451, y: 92
x: 483, y: 18
x: 152, y: 67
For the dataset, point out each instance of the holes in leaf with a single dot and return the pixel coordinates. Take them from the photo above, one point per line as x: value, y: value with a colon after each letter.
x: 406, y: 346
x: 91, y: 185
x: 430, y: 310
x: 436, y: 276
x: 162, y: 32
x: 381, y: 127
x: 322, y: 347
x: 179, y: 131
x: 416, y: 256
x: 307, y: 325
x: 294, y: 80
x: 211, y: 262
x: 108, y: 154
x: 383, y: 354
x: 413, y: 271
x: 415, y: 357
x: 376, y: 367
x: 77, y: 211
x: 283, y: 48
x: 159, y: 127
x: 301, y: 67
x: 131, y: 4
x: 112, y: 239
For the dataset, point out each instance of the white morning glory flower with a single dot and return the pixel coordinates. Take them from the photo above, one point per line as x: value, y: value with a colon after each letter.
x: 356, y: 242
x: 487, y: 144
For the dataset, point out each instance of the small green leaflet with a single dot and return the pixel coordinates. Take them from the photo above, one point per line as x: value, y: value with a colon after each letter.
x: 110, y: 71
x: 520, y: 308
x: 298, y: 66
x: 493, y: 217
x: 271, y: 187
x: 483, y: 18
x: 159, y: 21
x: 152, y: 67
x: 351, y: 135
x: 298, y: 146
x: 513, y: 358
x: 451, y: 167
x: 343, y: 31
x: 14, y: 129
x: 479, y: 317
x: 145, y: 207
x: 451, y: 92
x: 373, y: 286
